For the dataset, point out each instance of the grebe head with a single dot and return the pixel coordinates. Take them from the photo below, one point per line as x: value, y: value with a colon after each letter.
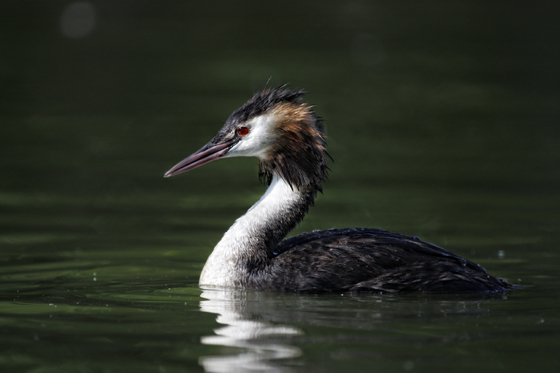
x: 278, y: 128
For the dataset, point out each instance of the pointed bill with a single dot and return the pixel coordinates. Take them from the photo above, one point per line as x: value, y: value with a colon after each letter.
x: 206, y: 154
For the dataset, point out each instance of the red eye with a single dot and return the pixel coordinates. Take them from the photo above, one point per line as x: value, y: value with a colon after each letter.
x: 242, y: 131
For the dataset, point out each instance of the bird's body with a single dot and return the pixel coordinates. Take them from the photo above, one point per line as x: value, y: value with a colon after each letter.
x: 282, y: 131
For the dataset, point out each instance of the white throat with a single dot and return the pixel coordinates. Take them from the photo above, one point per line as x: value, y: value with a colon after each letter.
x: 224, y: 267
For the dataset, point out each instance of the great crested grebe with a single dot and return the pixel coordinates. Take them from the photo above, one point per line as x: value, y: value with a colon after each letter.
x: 286, y: 135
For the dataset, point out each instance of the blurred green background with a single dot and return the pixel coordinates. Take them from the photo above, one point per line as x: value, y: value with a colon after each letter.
x: 442, y: 117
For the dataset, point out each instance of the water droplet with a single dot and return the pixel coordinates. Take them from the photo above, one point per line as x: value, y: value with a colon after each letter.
x: 501, y: 254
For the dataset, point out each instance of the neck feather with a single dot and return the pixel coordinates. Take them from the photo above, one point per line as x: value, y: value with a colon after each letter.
x: 248, y: 246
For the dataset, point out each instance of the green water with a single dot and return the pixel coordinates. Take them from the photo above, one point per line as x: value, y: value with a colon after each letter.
x: 443, y: 120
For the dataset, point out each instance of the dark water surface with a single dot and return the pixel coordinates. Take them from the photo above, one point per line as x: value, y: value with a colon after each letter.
x: 443, y: 120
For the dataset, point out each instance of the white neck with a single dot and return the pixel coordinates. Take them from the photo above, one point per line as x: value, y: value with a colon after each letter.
x: 225, y: 266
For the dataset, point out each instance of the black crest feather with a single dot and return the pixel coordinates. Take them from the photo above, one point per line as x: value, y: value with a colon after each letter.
x: 300, y: 155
